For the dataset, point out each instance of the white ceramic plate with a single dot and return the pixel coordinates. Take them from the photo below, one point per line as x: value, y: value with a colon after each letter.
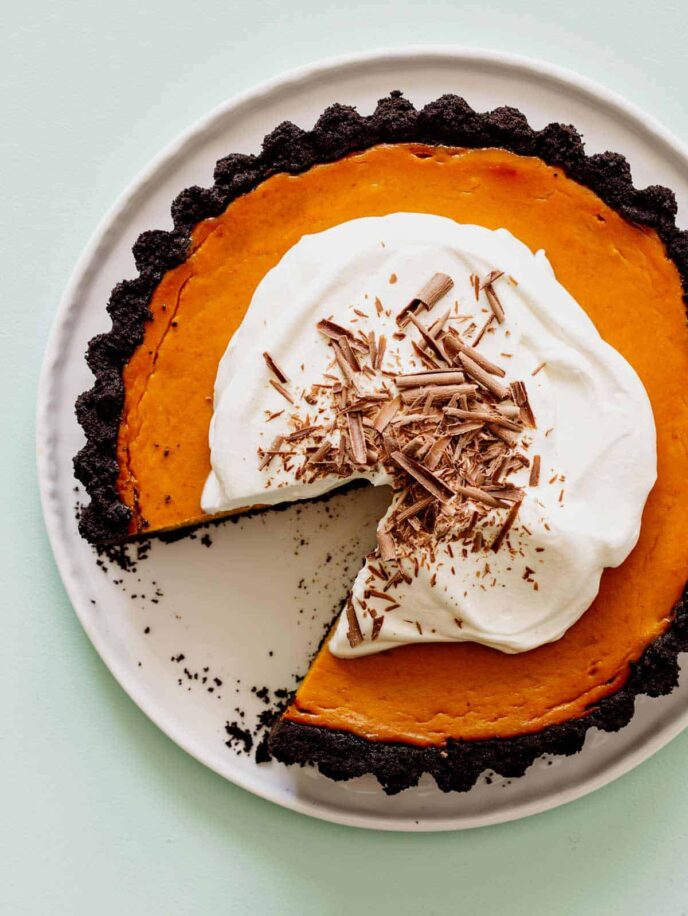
x: 220, y: 609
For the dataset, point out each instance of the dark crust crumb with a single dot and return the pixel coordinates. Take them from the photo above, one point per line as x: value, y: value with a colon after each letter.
x: 457, y: 765
x: 341, y: 130
x: 239, y: 735
x: 263, y: 754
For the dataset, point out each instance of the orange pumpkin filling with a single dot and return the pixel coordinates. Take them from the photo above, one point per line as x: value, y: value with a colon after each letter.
x: 620, y: 275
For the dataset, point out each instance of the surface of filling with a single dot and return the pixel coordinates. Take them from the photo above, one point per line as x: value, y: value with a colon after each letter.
x: 621, y: 277
x: 504, y: 517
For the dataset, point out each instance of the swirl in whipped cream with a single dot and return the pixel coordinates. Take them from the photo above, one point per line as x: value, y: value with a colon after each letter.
x: 595, y: 431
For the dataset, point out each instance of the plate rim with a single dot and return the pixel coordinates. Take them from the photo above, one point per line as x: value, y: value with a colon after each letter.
x: 171, y: 152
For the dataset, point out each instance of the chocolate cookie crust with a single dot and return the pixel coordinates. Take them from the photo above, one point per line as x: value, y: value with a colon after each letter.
x: 340, y: 130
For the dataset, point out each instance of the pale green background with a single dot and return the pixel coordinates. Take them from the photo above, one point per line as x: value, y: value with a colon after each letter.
x: 100, y: 812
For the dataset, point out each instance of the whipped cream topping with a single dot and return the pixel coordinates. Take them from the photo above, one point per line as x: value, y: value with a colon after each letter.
x: 595, y: 434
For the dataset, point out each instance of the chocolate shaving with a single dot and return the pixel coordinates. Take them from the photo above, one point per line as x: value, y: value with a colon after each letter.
x: 460, y: 429
x: 386, y: 546
x: 436, y: 287
x: 535, y: 472
x: 377, y: 626
x: 275, y: 369
x: 378, y: 594
x: 358, y: 444
x: 425, y: 477
x: 425, y: 358
x: 504, y: 434
x: 437, y: 392
x: 344, y: 365
x: 436, y: 452
x: 336, y: 332
x: 509, y: 493
x: 428, y: 339
x: 479, y: 336
x: 482, y: 415
x: 431, y: 377
x: 453, y: 346
x: 372, y: 348
x: 476, y: 493
x: 411, y: 419
x: 320, y: 452
x: 506, y: 527
x: 520, y: 396
x: 518, y: 393
x: 414, y: 445
x: 414, y: 509
x: 494, y: 303
x: 483, y: 378
x: 349, y: 355
x: 491, y: 278
x: 378, y: 571
x: 301, y: 433
x: 381, y: 347
x: 282, y: 390
x: 436, y: 328
x: 386, y: 414
x: 354, y: 634
x: 272, y: 451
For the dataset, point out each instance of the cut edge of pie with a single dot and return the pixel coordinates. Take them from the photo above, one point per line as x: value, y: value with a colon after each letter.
x: 340, y: 131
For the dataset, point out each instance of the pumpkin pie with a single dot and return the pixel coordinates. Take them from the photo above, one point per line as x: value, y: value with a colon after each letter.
x: 450, y: 708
